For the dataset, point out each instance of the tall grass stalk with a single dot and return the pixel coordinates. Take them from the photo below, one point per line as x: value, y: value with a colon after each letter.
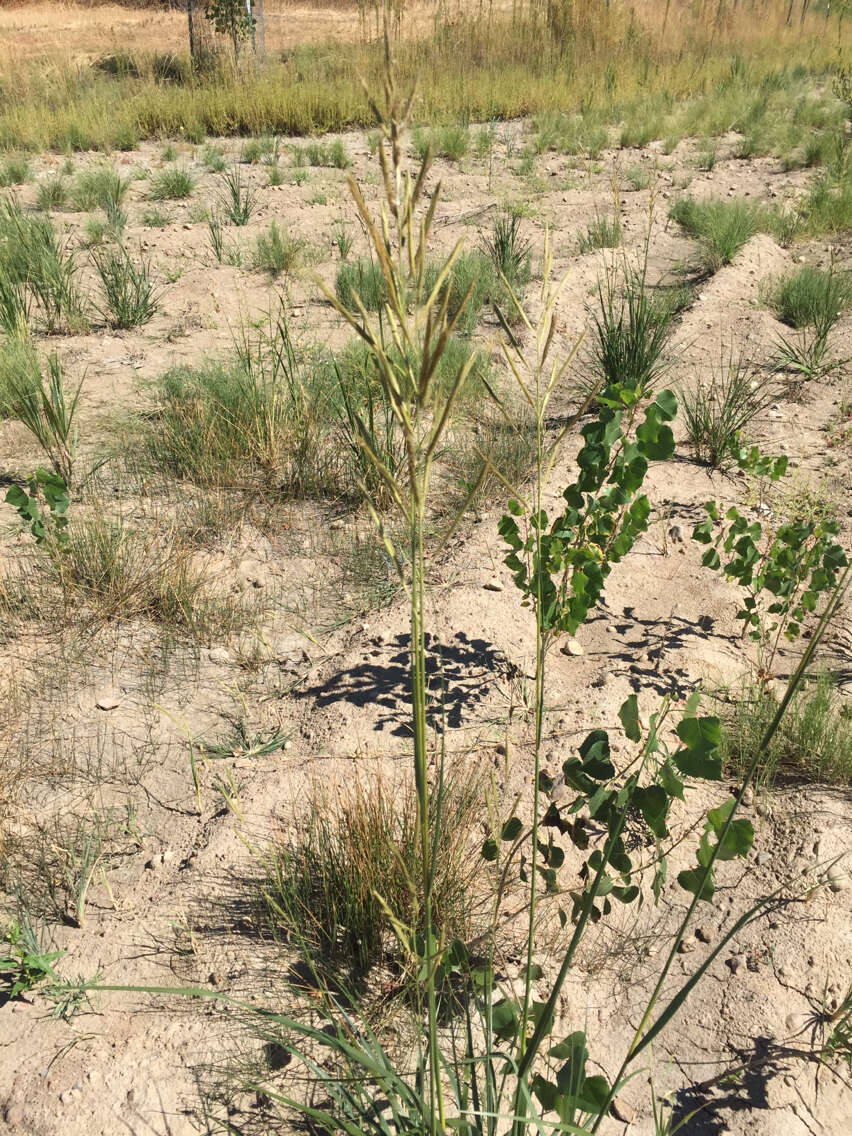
x: 406, y: 345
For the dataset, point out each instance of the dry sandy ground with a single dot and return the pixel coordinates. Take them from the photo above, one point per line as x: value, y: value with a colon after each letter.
x: 178, y: 904
x: 81, y: 33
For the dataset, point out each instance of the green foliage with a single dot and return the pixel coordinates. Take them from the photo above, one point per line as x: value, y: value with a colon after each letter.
x: 99, y: 187
x: 37, y: 266
x: 43, y: 486
x: 172, y: 184
x: 348, y: 872
x: 813, y: 742
x: 604, y: 232
x: 450, y: 142
x: 25, y: 966
x: 717, y: 410
x: 238, y: 200
x: 231, y: 18
x: 561, y: 566
x: 362, y: 278
x: 648, y: 792
x: 721, y: 228
x: 809, y: 296
x: 784, y: 569
x: 50, y: 418
x: 14, y: 170
x: 509, y: 251
x: 130, y: 295
x: 52, y: 193
x: 322, y: 154
x: 276, y: 251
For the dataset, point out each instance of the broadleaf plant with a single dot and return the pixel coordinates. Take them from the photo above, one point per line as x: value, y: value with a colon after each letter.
x: 784, y: 570
x: 562, y: 565
x: 49, y: 488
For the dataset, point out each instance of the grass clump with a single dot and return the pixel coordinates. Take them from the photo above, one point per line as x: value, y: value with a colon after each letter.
x: 129, y: 292
x: 213, y: 158
x: 38, y: 267
x: 813, y: 743
x: 348, y: 870
x: 276, y: 252
x: 100, y: 187
x: 718, y: 410
x: 809, y: 296
x: 450, y: 142
x: 637, y: 177
x: 628, y: 335
x: 256, y: 150
x: 42, y: 404
x: 720, y: 227
x: 362, y: 278
x: 261, y: 418
x: 52, y: 193
x: 472, y: 283
x: 604, y: 232
x: 14, y: 304
x: 14, y: 170
x: 324, y: 154
x: 815, y: 301
x: 155, y: 219
x: 237, y: 199
x: 20, y: 372
x: 509, y: 251
x: 121, y: 572
x: 172, y: 184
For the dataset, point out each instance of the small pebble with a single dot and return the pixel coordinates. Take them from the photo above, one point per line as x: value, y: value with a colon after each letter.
x: 493, y: 586
x: 622, y: 1111
x: 107, y: 701
x: 836, y: 878
x: 703, y: 935
x: 734, y: 963
x: 572, y: 647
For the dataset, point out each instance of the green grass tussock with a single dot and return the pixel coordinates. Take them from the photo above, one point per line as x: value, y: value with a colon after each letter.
x: 814, y: 742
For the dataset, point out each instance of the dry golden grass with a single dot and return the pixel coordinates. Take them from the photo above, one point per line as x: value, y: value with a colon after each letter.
x: 84, y: 30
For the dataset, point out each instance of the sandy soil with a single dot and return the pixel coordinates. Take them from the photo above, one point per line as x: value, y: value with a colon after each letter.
x: 173, y: 905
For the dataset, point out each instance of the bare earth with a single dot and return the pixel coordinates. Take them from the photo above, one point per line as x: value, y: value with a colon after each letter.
x: 177, y: 908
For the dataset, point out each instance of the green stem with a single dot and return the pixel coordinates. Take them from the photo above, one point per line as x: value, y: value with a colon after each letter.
x: 540, y: 658
x: 418, y: 705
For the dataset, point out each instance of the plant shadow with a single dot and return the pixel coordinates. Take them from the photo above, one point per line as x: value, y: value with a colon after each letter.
x: 742, y: 1088
x: 459, y: 675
